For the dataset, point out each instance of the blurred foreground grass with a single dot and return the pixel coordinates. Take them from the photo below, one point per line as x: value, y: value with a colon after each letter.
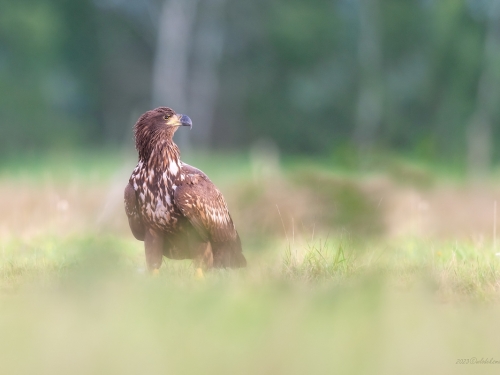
x: 74, y: 297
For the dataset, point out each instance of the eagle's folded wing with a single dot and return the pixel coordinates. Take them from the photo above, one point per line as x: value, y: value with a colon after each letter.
x: 134, y: 217
x: 203, y: 205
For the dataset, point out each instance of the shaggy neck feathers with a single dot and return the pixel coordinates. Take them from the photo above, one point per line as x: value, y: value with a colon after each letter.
x: 166, y: 156
x: 156, y: 147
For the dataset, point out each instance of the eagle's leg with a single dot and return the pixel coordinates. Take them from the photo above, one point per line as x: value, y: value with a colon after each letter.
x: 153, y: 245
x: 204, y: 258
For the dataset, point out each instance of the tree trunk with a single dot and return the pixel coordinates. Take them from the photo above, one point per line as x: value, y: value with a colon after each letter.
x: 209, y: 43
x: 171, y: 64
x: 479, y: 131
x: 369, y: 106
x: 185, y: 76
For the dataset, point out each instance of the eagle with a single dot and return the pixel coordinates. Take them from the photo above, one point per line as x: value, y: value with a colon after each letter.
x: 173, y: 207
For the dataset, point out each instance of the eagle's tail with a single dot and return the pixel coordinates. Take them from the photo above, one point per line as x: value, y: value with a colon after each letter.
x: 229, y: 254
x: 238, y: 260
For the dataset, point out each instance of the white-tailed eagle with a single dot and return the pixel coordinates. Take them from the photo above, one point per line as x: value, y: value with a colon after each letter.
x: 173, y: 207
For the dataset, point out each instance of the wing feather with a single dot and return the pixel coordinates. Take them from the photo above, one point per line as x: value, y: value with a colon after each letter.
x: 133, y: 214
x: 204, y: 206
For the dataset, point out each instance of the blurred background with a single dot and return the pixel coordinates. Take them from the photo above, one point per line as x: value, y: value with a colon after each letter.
x: 356, y: 144
x: 366, y: 117
x: 335, y: 78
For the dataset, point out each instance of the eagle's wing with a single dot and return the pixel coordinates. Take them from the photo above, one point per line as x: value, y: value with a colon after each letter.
x: 204, y: 206
x: 134, y: 217
x: 202, y: 203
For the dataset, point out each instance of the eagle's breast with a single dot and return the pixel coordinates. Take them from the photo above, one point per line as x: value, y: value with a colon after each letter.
x: 155, y: 183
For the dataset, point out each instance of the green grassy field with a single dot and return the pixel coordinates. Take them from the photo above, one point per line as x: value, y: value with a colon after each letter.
x: 348, y: 272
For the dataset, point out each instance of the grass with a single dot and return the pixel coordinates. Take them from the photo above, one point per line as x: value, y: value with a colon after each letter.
x: 406, y: 309
x: 75, y: 298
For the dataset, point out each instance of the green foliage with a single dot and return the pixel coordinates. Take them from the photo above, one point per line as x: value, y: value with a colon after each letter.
x: 343, y: 202
x: 77, y: 72
x: 47, y: 75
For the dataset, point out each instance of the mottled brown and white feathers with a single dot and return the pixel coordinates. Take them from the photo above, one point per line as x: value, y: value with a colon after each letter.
x: 176, y: 200
x: 204, y: 206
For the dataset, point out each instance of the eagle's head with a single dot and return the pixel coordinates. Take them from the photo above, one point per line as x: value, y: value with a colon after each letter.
x: 157, y: 125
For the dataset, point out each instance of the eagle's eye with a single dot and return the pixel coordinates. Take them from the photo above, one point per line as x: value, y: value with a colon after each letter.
x: 166, y: 117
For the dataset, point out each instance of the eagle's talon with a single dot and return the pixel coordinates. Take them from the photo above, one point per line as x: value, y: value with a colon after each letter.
x: 199, y: 274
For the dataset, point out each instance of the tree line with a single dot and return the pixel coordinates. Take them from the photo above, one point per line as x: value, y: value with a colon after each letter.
x: 316, y: 77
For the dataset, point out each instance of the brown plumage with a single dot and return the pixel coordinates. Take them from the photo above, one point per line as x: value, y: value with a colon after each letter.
x: 173, y: 207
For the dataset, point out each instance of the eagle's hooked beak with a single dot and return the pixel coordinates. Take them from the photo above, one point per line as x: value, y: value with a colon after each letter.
x: 180, y: 120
